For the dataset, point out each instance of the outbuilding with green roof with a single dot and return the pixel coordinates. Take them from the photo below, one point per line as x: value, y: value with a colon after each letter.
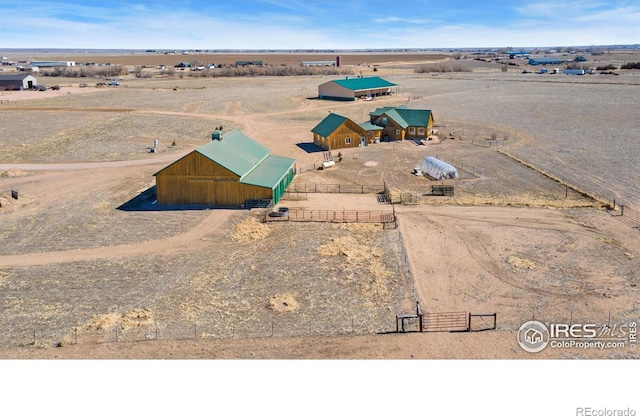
x: 352, y: 88
x: 338, y: 132
x: 226, y: 172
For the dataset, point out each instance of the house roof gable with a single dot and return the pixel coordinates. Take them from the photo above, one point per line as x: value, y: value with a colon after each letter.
x: 404, y: 116
x: 329, y: 124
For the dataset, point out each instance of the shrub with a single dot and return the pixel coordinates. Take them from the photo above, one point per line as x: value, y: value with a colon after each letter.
x: 631, y: 65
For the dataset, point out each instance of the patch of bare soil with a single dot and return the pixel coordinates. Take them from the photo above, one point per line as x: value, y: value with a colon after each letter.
x: 283, y: 303
x: 13, y: 172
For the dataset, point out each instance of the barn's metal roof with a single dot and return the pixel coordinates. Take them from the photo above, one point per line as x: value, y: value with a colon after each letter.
x: 235, y: 152
x: 364, y: 83
x: 269, y: 172
x: 14, y: 77
x: 245, y: 157
x: 329, y: 124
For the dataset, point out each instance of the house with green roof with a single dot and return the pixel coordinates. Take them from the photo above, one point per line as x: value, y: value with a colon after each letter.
x: 400, y: 123
x: 338, y: 132
x: 352, y: 88
x: 226, y: 172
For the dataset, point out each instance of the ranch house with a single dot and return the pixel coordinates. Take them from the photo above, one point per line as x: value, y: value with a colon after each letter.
x: 229, y: 171
x: 400, y: 123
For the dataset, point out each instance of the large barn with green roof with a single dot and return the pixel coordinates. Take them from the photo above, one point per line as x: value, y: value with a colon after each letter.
x: 352, y: 88
x: 229, y: 171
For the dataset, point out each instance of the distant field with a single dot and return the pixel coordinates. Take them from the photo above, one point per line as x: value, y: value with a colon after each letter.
x: 268, y: 58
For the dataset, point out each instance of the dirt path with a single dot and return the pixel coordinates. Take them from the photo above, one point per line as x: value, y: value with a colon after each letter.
x: 181, y: 243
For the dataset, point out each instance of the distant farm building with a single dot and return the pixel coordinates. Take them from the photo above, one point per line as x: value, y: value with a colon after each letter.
x: 229, y: 171
x: 319, y: 63
x: 350, y: 89
x: 249, y: 63
x: 52, y: 64
x: 386, y: 124
x: 17, y: 82
x: 518, y: 54
x: 546, y: 61
x: 400, y: 123
x: 573, y: 71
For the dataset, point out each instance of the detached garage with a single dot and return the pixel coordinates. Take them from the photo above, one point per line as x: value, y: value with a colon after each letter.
x: 226, y: 172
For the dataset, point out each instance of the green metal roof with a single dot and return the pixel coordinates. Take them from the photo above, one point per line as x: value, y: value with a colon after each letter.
x: 246, y: 158
x: 404, y: 116
x: 381, y: 110
x: 329, y: 124
x: 235, y: 152
x: 269, y: 172
x: 368, y: 126
x: 414, y: 117
x: 365, y: 83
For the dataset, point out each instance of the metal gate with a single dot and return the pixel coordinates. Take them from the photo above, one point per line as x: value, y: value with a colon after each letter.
x: 444, y: 322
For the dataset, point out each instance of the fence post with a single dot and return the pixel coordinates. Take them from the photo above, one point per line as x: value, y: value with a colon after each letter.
x: 469, y: 323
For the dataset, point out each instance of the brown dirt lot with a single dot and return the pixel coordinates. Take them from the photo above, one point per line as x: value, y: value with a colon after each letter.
x: 80, y: 268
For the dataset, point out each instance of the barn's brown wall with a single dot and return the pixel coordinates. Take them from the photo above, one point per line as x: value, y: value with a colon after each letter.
x: 197, y: 180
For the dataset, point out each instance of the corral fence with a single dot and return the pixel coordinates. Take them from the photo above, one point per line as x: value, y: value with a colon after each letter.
x: 445, y: 321
x: 386, y: 218
x: 321, y: 188
x: 395, y: 197
x: 630, y: 213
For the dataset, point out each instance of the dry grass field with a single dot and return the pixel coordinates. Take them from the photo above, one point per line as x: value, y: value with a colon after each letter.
x: 86, y: 258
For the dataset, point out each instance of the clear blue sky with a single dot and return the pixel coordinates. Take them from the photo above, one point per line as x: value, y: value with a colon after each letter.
x: 328, y: 24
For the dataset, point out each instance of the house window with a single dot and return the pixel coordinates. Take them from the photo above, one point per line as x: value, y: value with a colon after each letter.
x: 397, y: 133
x: 421, y: 131
x: 412, y: 130
x: 384, y: 121
x: 347, y: 140
x: 370, y: 133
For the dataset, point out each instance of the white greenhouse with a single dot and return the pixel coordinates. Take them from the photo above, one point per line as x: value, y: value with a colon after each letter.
x: 437, y: 169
